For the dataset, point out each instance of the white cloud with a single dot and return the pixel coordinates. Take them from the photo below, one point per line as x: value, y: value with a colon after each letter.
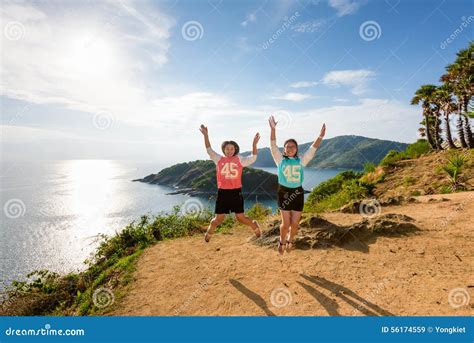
x: 97, y: 58
x: 251, y: 18
x: 295, y: 97
x: 243, y: 47
x: 85, y: 57
x: 376, y: 118
x: 345, y: 7
x: 23, y: 134
x: 309, y: 26
x: 303, y: 84
x: 357, y: 80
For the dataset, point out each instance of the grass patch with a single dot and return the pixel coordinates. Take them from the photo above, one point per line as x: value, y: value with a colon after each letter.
x: 338, y: 191
x: 408, y: 181
x: 258, y: 211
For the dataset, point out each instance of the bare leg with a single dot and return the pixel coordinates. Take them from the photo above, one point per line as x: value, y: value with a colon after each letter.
x: 218, y: 219
x: 294, y: 225
x: 241, y: 217
x: 284, y: 228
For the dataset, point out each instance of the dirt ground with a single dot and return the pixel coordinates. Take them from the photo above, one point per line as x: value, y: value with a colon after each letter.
x: 428, y: 273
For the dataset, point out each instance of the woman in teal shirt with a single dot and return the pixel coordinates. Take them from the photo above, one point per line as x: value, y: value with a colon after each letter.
x: 290, y: 181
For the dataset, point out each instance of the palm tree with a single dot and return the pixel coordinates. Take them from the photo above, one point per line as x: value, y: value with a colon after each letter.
x: 460, y: 77
x: 425, y: 95
x: 444, y: 102
x: 466, y: 60
x: 452, y: 78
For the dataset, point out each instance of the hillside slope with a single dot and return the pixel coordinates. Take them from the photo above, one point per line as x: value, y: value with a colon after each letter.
x: 415, y: 256
x: 407, y: 275
x: 423, y: 175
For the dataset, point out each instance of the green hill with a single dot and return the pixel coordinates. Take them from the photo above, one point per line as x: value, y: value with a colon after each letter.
x: 199, y: 178
x: 345, y: 152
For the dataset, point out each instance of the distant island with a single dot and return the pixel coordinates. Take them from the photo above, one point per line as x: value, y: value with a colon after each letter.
x: 198, y: 178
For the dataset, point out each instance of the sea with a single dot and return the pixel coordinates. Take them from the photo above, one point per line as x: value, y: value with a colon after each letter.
x: 54, y: 211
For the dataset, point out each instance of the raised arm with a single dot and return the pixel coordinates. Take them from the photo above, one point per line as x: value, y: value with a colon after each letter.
x: 317, y: 141
x: 246, y: 161
x: 276, y: 153
x: 309, y: 154
x: 254, y: 144
x: 205, y: 133
x: 212, y: 154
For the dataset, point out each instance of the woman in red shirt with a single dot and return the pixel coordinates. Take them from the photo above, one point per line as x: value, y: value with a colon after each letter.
x: 229, y: 182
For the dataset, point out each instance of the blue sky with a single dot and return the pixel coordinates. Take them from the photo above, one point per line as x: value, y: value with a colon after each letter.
x: 134, y: 79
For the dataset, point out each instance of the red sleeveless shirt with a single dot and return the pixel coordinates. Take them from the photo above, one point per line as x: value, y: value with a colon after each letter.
x: 229, y: 172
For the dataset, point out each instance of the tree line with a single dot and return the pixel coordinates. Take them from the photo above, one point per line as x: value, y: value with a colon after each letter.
x: 452, y: 97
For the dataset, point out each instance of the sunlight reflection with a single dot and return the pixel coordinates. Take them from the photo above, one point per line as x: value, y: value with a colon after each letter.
x: 92, y: 192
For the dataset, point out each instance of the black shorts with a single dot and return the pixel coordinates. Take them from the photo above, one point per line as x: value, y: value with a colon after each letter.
x: 229, y: 200
x: 290, y: 199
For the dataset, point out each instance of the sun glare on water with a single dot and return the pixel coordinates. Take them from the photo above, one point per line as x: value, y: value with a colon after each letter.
x: 92, y: 191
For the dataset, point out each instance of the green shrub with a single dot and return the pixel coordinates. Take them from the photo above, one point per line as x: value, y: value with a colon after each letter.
x: 445, y: 189
x: 409, y: 180
x: 453, y: 168
x: 258, y: 211
x: 390, y: 159
x: 369, y: 167
x: 413, y: 150
x: 331, y: 186
x: 338, y: 191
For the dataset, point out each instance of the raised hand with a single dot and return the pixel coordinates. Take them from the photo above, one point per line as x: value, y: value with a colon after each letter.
x: 256, y: 138
x: 272, y: 122
x: 323, y: 131
x: 203, y: 129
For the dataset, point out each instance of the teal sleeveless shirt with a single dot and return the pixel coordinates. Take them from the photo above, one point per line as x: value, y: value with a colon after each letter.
x: 290, y: 173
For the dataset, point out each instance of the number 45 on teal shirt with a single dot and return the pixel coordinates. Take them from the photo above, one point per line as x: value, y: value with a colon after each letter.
x: 290, y: 172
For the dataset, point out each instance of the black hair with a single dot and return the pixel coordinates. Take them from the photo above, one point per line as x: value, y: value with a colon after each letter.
x: 236, y: 146
x: 292, y: 141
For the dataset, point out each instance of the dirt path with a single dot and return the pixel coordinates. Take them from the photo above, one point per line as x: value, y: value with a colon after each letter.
x: 230, y: 276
